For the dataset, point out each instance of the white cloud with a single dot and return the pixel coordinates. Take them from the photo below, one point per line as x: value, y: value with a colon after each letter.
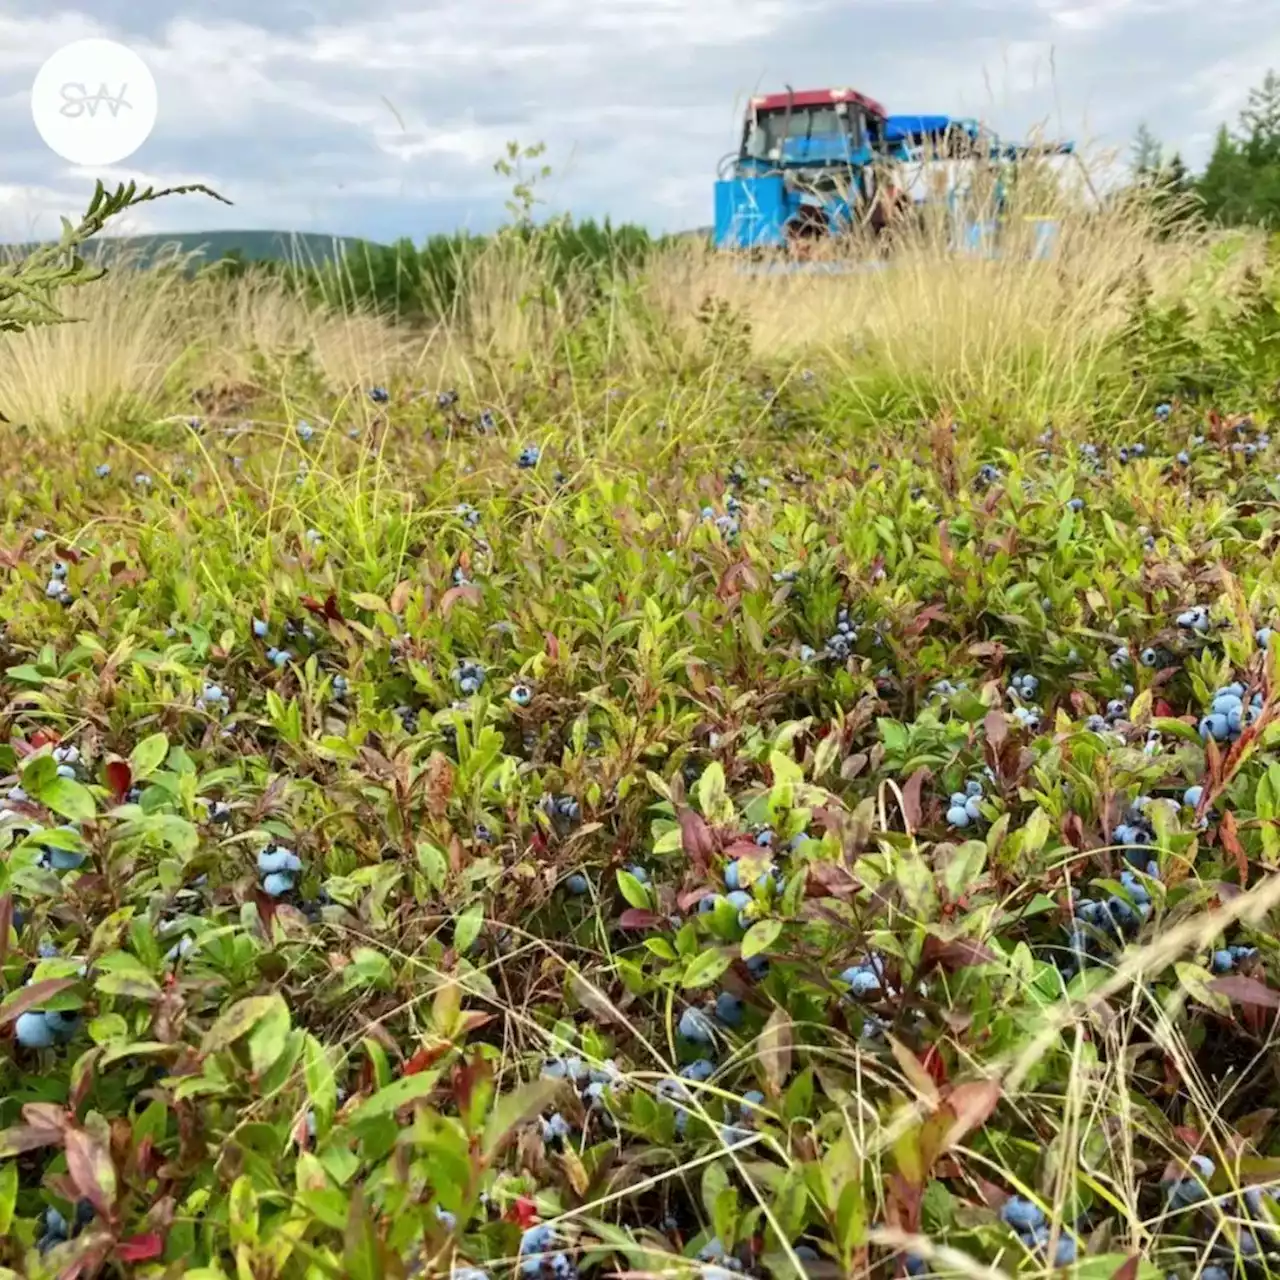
x: 385, y: 118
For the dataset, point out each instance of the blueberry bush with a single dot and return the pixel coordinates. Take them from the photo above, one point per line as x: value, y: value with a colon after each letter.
x: 760, y: 810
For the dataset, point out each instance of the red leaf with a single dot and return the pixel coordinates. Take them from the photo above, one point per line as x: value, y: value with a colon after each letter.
x: 524, y: 1213
x: 31, y: 996
x: 140, y: 1248
x: 959, y: 953
x: 972, y: 1102
x: 119, y: 778
x: 90, y: 1166
x: 1231, y: 843
x: 639, y: 918
x: 553, y: 647
x: 934, y: 613
x: 911, y: 797
x: 1247, y: 991
x: 1128, y: 1269
x: 691, y: 897
x: 996, y: 728
x: 424, y: 1057
x: 934, y: 1064
x: 696, y: 838
x: 454, y: 594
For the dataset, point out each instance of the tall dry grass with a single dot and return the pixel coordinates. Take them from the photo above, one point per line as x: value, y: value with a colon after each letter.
x: 922, y: 325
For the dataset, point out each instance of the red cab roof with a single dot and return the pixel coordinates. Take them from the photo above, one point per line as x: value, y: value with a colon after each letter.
x: 816, y: 98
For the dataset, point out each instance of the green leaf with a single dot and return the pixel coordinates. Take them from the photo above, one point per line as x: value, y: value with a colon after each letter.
x: 362, y: 1250
x: 705, y: 968
x: 69, y: 798
x: 712, y: 799
x: 148, y: 755
x: 400, y: 1093
x: 268, y: 1038
x: 239, y: 1020
x: 8, y: 1195
x: 466, y: 927
x: 760, y: 937
x: 964, y: 867
x: 512, y: 1109
x: 1196, y: 982
x: 322, y: 1086
x: 634, y: 892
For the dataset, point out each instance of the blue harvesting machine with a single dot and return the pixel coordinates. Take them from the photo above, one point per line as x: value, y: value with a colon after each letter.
x: 817, y: 163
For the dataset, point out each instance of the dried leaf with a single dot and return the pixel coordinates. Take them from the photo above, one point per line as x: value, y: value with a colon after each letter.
x: 775, y: 1049
x: 1231, y: 843
x: 973, y: 1103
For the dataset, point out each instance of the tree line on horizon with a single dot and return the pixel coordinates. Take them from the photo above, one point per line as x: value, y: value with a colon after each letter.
x: 1240, y: 183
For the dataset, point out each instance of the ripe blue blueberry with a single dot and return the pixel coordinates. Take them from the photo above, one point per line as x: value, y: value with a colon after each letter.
x: 537, y: 1240
x: 696, y: 1026
x: 33, y: 1031
x: 275, y: 858
x: 957, y: 816
x: 729, y: 1009
x: 577, y: 884
x: 862, y: 979
x: 259, y: 628
x: 698, y: 1071
x: 1021, y: 1214
x: 277, y: 884
x: 521, y: 694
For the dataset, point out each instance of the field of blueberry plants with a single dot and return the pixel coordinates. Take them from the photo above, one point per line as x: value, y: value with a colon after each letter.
x: 713, y: 776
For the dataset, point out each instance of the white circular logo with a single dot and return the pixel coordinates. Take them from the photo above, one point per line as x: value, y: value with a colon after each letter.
x: 94, y: 102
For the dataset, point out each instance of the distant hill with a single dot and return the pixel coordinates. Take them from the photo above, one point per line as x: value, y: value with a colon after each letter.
x: 210, y: 246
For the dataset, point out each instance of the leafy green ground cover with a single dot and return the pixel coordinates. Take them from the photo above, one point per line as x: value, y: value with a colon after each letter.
x: 667, y: 825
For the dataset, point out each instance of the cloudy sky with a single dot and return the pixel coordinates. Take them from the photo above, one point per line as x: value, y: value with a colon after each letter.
x: 383, y: 117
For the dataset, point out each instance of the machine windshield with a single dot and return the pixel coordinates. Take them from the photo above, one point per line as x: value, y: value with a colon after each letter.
x: 770, y: 129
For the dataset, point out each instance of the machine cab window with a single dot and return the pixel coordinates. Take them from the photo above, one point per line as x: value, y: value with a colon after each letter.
x: 781, y: 133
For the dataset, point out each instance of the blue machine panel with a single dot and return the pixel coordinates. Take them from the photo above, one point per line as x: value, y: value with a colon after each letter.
x: 751, y: 212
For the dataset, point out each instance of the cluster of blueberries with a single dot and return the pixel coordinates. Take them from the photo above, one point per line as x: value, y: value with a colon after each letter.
x: 468, y: 676
x: 1191, y: 1189
x: 965, y: 806
x: 738, y: 1119
x: 1229, y: 714
x: 592, y: 1085
x: 56, y: 1228
x: 539, y: 1256
x: 564, y: 811
x: 840, y: 644
x: 1032, y: 1227
x: 45, y: 1028
x: 729, y: 524
x: 279, y: 868
x: 56, y: 588
x: 529, y: 457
